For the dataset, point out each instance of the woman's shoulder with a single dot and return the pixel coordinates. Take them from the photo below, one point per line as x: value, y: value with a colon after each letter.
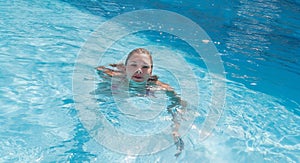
x: 153, y: 79
x: 164, y: 86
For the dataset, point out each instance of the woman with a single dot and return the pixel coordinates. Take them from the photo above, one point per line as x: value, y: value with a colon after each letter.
x: 138, y: 68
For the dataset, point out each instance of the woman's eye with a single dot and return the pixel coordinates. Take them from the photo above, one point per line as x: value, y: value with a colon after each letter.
x: 145, y: 66
x: 133, y: 65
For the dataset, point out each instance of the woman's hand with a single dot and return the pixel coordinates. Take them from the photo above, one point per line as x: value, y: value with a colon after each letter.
x: 119, y: 66
x: 111, y: 72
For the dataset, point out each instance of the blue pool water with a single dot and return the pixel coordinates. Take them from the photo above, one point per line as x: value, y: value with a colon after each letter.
x: 258, y: 42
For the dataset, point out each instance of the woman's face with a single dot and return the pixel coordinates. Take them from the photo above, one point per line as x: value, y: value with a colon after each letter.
x: 138, y: 67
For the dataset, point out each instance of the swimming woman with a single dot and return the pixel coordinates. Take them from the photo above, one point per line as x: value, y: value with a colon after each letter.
x: 138, y: 68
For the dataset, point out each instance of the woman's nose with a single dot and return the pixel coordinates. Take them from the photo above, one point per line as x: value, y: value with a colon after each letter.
x: 139, y: 71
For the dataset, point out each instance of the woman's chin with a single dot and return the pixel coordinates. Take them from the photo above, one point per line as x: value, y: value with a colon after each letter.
x: 138, y: 79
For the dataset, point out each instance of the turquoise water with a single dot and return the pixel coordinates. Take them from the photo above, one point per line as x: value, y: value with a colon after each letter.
x: 258, y: 43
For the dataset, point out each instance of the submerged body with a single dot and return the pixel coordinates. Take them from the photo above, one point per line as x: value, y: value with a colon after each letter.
x: 137, y: 71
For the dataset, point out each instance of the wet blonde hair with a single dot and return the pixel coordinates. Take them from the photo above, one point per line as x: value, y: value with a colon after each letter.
x: 139, y: 51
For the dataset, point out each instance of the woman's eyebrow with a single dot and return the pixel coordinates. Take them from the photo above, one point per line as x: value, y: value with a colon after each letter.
x: 146, y: 63
x: 132, y: 61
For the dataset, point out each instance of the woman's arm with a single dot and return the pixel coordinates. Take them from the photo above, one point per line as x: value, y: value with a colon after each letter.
x: 164, y: 86
x: 176, y: 108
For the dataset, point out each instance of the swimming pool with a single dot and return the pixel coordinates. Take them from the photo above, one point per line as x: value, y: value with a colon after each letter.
x: 257, y: 41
